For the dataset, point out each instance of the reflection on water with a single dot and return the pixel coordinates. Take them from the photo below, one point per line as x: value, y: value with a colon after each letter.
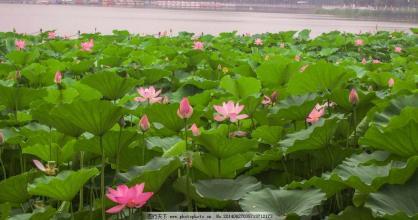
x: 67, y: 20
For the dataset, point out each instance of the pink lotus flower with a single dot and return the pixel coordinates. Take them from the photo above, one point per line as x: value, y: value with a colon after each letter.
x: 248, y: 34
x: 353, y: 97
x: 52, y: 35
x: 317, y: 112
x: 87, y: 46
x: 144, y: 123
x: 391, y: 82
x: 398, y: 50
x: 148, y: 94
x: 58, y: 78
x: 133, y: 197
x: 230, y: 111
x: 50, y: 168
x: 185, y: 109
x: 195, y: 130
x: 364, y: 61
x: 258, y: 42
x: 297, y: 58
x: 20, y: 44
x: 198, y: 45
x: 376, y: 61
x: 359, y: 42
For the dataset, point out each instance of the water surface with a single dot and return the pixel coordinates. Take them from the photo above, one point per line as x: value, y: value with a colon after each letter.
x: 68, y: 19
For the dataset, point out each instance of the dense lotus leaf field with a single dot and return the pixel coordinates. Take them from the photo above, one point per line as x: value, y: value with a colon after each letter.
x: 111, y: 126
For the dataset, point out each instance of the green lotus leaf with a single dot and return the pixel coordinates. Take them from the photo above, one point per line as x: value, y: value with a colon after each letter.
x: 241, y: 87
x: 395, y: 108
x: 268, y: 134
x: 176, y: 150
x: 14, y: 189
x: 19, y: 98
x: 5, y: 209
x: 51, y: 153
x: 165, y: 143
x: 209, y: 164
x: 110, y: 84
x: 295, y: 107
x: 153, y: 174
x: 218, y: 144
x: 94, y: 116
x: 86, y: 92
x: 399, y: 140
x: 166, y: 115
x: 399, y: 201
x: 361, y: 172
x: 80, y: 67
x: 61, y: 96
x: 199, y: 82
x: 273, y: 72
x: 316, y: 136
x: 180, y: 185
x: 319, y: 77
x: 64, y: 186
x: 358, y: 213
x: 283, y: 202
x: 23, y: 58
x: 112, y: 142
x: 227, y: 189
x: 55, y: 120
x: 37, y: 214
x: 152, y: 74
x: 369, y: 177
x: 38, y: 75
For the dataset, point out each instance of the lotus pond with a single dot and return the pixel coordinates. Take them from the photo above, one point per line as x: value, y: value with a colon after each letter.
x: 111, y: 126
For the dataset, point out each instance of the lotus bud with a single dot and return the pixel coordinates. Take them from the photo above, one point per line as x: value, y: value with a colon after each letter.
x: 391, y: 82
x: 195, y: 130
x: 185, y: 109
x: 353, y: 97
x: 122, y: 122
x: 359, y: 42
x: 58, y: 78
x: 144, y: 123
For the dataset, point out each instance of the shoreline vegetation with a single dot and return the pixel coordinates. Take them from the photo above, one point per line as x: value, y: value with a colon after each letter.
x: 388, y: 14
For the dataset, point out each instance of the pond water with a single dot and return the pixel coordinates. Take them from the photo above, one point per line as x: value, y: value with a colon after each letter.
x: 67, y: 20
